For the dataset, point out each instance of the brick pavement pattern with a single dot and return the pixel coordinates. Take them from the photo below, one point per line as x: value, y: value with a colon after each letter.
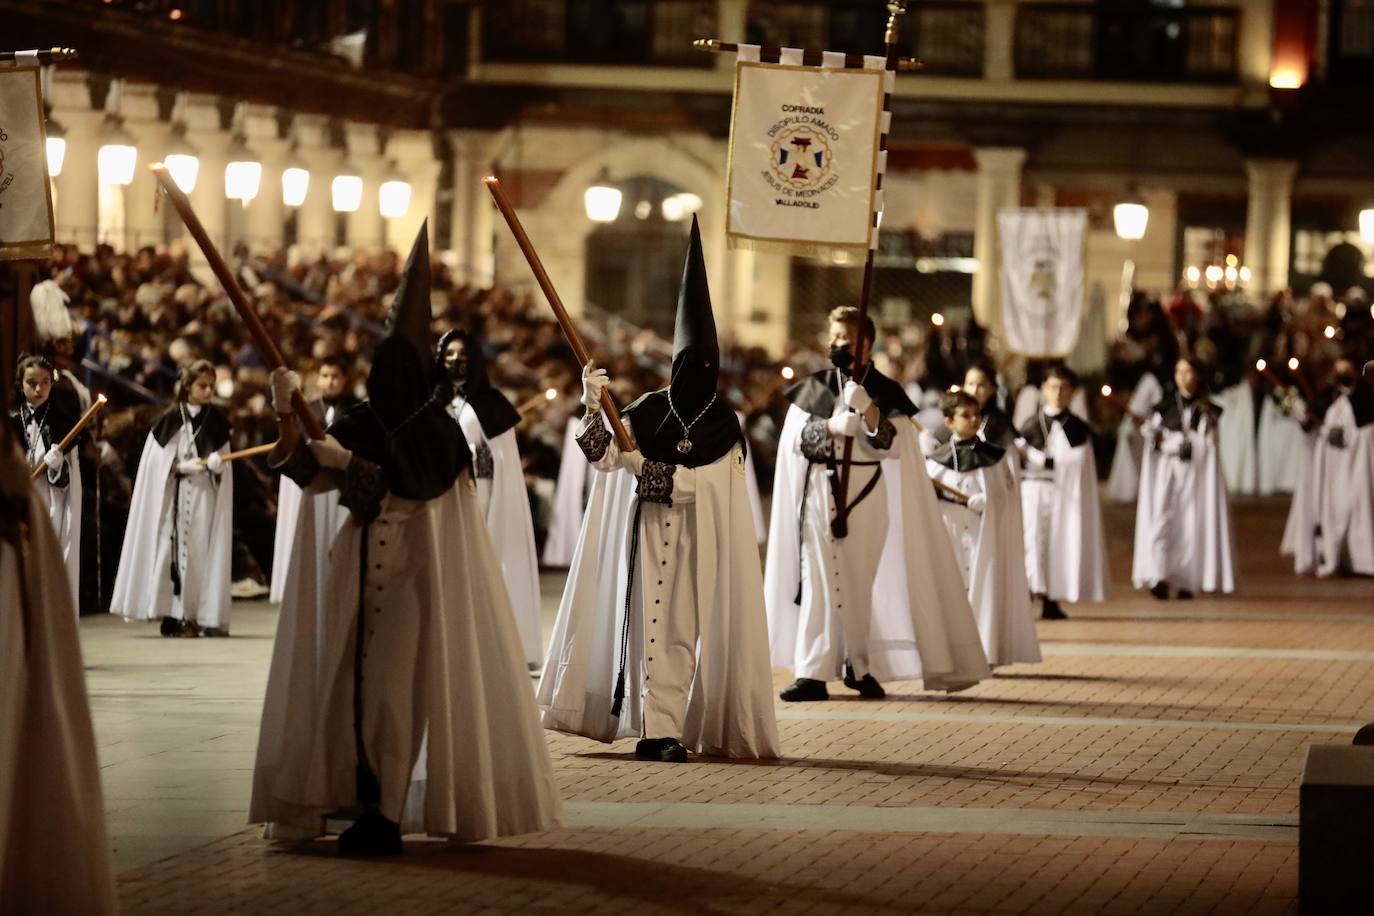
x: 1150, y: 764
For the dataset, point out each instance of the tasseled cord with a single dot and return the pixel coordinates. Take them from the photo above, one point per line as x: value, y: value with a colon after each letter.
x: 618, y: 697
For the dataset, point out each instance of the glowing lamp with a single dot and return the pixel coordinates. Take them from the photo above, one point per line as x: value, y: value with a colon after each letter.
x: 601, y: 200
x: 116, y: 159
x: 184, y: 168
x: 295, y: 182
x: 57, y: 153
x: 1367, y: 226
x: 346, y: 192
x: 1130, y: 218
x: 394, y: 198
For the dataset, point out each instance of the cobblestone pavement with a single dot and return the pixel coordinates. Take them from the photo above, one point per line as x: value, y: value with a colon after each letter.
x: 1149, y: 764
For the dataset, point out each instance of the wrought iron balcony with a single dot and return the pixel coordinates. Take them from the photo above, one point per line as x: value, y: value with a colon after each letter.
x: 1081, y: 41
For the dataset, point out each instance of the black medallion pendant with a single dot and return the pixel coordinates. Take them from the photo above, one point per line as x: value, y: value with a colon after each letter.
x: 684, y: 446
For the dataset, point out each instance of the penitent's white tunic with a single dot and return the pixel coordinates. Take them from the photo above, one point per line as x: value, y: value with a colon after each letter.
x: 505, y: 504
x: 1123, y: 483
x: 62, y: 505
x: 569, y: 500
x: 1066, y: 557
x: 1281, y: 445
x: 1330, y: 527
x: 289, y: 497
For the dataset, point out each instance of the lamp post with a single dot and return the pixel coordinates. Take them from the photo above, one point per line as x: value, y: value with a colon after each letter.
x: 1129, y: 217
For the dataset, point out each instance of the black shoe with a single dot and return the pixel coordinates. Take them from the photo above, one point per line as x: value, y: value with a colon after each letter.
x: 371, y: 835
x: 662, y: 750
x: 209, y: 632
x: 1184, y: 595
x: 1051, y: 610
x: 171, y: 626
x: 803, y: 689
x: 1160, y: 590
x: 868, y: 688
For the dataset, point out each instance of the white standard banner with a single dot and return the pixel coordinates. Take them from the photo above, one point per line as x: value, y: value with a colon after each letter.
x: 804, y: 144
x: 1042, y: 279
x: 26, y: 225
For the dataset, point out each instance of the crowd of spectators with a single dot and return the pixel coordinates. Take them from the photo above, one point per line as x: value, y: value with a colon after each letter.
x: 141, y: 315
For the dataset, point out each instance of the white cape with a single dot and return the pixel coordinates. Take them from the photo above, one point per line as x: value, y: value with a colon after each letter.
x: 54, y: 852
x: 730, y: 708
x: 1123, y: 482
x: 1282, y: 443
x: 922, y: 627
x: 143, y: 586
x: 751, y: 481
x: 331, y: 516
x: 1331, y: 522
x: 1183, y: 518
x: 1066, y: 556
x: 569, y: 499
x: 989, y: 546
x: 1236, y: 430
x: 483, y: 768
x: 505, y: 504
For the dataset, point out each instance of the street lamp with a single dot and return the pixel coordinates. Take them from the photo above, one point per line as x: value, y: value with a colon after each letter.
x: 393, y: 197
x: 243, y: 174
x: 182, y: 163
x: 56, y: 148
x: 117, y: 157
x: 346, y: 192
x: 602, y: 200
x: 295, y: 182
x: 1130, y: 217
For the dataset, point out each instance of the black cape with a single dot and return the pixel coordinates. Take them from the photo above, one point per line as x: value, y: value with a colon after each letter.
x: 657, y: 431
x: 420, y: 460
x: 494, y: 411
x: 1172, y: 418
x: 1075, y: 430
x: 816, y: 393
x: 973, y: 454
x: 56, y: 418
x: 212, y: 428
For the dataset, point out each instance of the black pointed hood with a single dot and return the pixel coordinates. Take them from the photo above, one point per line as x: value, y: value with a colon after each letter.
x: 690, y: 400
x: 403, y: 425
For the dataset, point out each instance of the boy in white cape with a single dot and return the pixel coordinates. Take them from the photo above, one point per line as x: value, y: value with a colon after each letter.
x: 1066, y: 557
x: 882, y: 601
x: 987, y: 533
x: 661, y: 634
x: 398, y: 695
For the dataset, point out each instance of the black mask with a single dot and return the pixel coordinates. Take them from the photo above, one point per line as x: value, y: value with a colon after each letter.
x: 841, y: 358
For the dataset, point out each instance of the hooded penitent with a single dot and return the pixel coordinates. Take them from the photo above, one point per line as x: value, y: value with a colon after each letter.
x: 687, y: 423
x: 403, y: 426
x: 471, y: 383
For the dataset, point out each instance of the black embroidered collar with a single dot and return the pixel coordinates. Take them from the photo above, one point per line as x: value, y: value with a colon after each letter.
x: 816, y: 393
x: 968, y: 455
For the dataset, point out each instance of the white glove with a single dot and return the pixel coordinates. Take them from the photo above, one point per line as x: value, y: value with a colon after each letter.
x: 53, y: 459
x: 856, y: 398
x: 977, y: 502
x: 215, y: 463
x: 846, y: 425
x: 284, y: 382
x: 190, y: 466
x: 330, y: 454
x: 632, y: 461
x: 594, y: 381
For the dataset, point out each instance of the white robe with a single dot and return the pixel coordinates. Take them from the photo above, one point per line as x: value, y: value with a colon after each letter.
x: 569, y: 499
x: 505, y: 504
x: 1123, y: 482
x: 1066, y: 556
x: 1281, y: 445
x: 1183, y: 517
x: 751, y: 481
x: 450, y: 724
x: 887, y: 598
x: 991, y: 556
x: 62, y: 505
x: 54, y: 852
x: 695, y: 642
x: 1236, y: 432
x: 1330, y: 527
x: 288, y: 506
x: 201, y: 506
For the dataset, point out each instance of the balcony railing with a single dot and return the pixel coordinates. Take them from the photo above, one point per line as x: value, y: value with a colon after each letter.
x: 946, y: 35
x: 628, y: 32
x: 1078, y: 41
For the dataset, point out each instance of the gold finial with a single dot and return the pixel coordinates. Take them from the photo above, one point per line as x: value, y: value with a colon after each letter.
x: 895, y: 9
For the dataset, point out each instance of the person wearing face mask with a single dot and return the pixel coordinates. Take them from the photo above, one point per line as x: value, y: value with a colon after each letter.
x: 488, y: 421
x: 175, y: 564
x: 43, y: 417
x: 883, y: 600
x: 1330, y: 527
x: 986, y: 531
x: 661, y: 633
x: 336, y: 398
x: 1066, y: 557
x: 1183, y: 519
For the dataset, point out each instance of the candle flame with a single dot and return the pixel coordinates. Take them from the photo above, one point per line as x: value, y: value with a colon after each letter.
x: 100, y: 399
x: 937, y: 319
x: 787, y: 372
x: 1261, y: 365
x: 1106, y: 391
x: 491, y: 179
x: 1293, y: 364
x: 551, y: 393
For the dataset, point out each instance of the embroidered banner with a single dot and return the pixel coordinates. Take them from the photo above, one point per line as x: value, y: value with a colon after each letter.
x: 1042, y: 279
x: 26, y: 223
x: 806, y: 150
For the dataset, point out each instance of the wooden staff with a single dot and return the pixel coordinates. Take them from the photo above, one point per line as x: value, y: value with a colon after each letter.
x: 1263, y: 368
x: 44, y: 55
x: 565, y: 322
x: 839, y: 525
x: 245, y: 453
x: 539, y: 400
x: 956, y: 495
x: 234, y: 292
x: 1307, y: 394
x: 70, y: 437
x: 1122, y: 403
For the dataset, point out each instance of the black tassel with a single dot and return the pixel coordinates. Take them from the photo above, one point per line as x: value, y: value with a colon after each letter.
x: 619, y: 696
